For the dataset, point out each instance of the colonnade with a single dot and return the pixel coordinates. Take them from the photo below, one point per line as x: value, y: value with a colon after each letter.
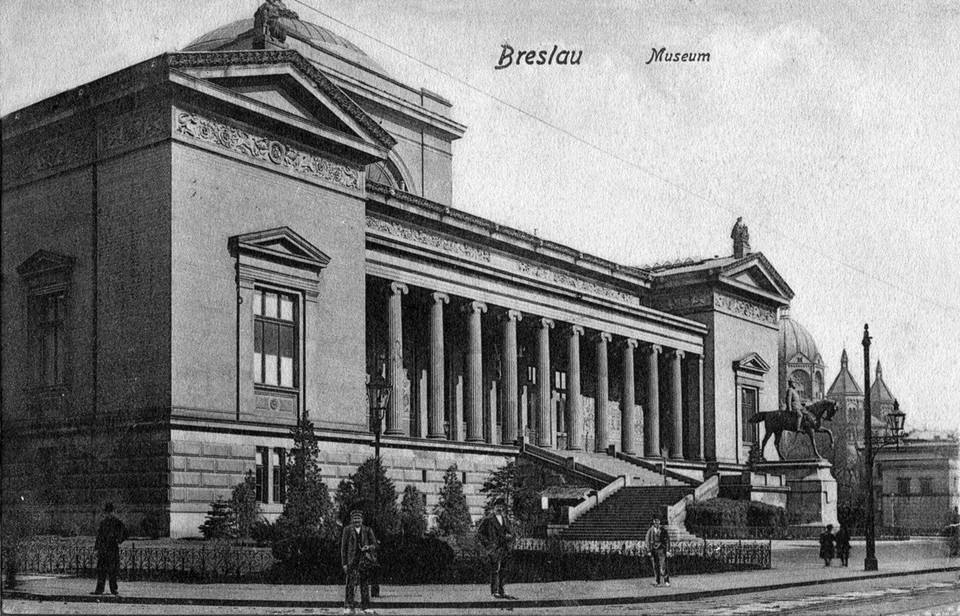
x: 664, y: 371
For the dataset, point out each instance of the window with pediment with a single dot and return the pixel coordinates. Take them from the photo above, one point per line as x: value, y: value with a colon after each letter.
x: 749, y: 376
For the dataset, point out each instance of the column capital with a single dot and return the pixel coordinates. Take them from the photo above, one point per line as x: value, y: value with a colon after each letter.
x: 440, y: 298
x: 653, y: 348
x: 398, y: 288
x: 676, y: 354
x: 603, y: 337
x: 474, y: 306
x: 575, y: 330
x: 512, y: 315
x: 630, y: 343
x: 545, y: 323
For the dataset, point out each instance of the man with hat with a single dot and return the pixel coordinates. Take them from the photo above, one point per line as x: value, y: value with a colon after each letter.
x: 110, y: 535
x: 358, y: 554
x: 496, y: 537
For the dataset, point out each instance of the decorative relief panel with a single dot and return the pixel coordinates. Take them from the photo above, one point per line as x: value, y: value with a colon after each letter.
x: 745, y: 309
x: 427, y: 239
x: 263, y: 149
x: 686, y: 302
x: 49, y: 156
x: 135, y: 129
x: 573, y: 283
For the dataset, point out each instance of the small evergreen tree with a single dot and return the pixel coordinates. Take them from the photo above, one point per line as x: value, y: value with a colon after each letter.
x: 245, y: 507
x: 307, y: 510
x: 357, y: 492
x: 453, y: 515
x: 413, y: 514
x: 221, y: 522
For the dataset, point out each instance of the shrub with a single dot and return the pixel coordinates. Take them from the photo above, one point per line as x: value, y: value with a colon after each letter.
x: 263, y: 532
x: 221, y: 523
x: 766, y: 516
x: 453, y: 515
x: 358, y: 492
x: 519, y: 486
x: 413, y: 514
x: 724, y: 512
x: 243, y: 503
x: 307, y: 511
x: 152, y: 526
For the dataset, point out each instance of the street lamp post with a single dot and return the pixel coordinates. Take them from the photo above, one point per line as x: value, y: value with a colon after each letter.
x: 378, y: 396
x: 872, y: 445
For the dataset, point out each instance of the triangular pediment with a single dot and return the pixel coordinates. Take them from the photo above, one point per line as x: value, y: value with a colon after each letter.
x: 752, y: 363
x: 755, y: 272
x: 44, y: 262
x: 800, y: 358
x: 280, y: 245
x: 284, y: 82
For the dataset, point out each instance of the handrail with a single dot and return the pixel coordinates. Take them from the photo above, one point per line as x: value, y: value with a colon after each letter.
x: 677, y: 513
x: 657, y: 468
x: 596, y: 478
x: 596, y: 498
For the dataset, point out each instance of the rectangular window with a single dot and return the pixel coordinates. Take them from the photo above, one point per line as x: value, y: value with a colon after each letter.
x: 926, y: 486
x: 748, y: 408
x: 275, y: 338
x: 261, y: 474
x: 903, y: 486
x: 47, y: 338
x: 278, y: 471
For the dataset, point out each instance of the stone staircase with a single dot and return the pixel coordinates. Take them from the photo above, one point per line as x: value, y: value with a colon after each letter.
x: 628, y: 514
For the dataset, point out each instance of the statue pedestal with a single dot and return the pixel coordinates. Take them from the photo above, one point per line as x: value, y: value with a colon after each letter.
x: 812, y: 500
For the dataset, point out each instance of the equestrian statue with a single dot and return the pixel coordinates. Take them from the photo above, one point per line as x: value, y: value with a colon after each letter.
x: 796, y: 418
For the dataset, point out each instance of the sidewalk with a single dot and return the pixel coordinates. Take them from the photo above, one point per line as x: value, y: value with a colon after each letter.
x: 794, y: 562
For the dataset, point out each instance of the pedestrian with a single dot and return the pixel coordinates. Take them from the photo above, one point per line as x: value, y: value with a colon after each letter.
x: 496, y: 537
x: 658, y: 544
x: 843, y: 544
x: 827, y: 541
x: 110, y: 535
x: 358, y: 555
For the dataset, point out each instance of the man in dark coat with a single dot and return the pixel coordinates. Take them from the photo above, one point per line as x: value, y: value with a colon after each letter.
x: 358, y: 555
x: 111, y: 534
x: 496, y: 537
x: 827, y: 541
x: 843, y: 544
x: 658, y: 544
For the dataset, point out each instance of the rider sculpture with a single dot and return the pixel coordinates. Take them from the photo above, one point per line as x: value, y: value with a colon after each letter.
x: 793, y: 404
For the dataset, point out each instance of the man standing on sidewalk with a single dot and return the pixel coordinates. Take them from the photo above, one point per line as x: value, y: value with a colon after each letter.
x: 496, y: 537
x: 111, y: 534
x: 658, y: 544
x: 358, y: 554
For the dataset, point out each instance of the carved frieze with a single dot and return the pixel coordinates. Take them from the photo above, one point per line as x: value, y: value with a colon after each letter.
x: 135, y: 129
x: 428, y: 239
x: 743, y: 308
x: 683, y: 303
x: 263, y: 149
x: 48, y: 156
x: 571, y: 282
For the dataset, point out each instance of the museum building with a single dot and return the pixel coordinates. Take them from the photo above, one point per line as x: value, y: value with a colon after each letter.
x: 204, y: 246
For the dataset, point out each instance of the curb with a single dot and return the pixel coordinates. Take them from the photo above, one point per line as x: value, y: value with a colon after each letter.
x: 503, y: 604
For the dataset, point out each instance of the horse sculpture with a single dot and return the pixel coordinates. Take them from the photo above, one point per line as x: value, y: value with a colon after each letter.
x: 775, y: 423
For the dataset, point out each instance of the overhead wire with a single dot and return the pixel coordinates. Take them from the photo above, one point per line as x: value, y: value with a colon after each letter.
x: 685, y: 189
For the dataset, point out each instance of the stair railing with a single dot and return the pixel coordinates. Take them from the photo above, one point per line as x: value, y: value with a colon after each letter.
x: 596, y: 498
x: 596, y: 479
x: 677, y: 513
x: 655, y: 467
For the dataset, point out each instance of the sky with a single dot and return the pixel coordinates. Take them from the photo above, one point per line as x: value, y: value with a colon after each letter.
x: 832, y: 128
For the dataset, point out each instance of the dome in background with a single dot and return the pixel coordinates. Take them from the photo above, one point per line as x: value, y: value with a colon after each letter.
x: 304, y: 31
x: 794, y: 339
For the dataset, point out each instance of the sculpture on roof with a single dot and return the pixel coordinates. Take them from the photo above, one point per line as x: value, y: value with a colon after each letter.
x: 741, y: 238
x: 266, y: 21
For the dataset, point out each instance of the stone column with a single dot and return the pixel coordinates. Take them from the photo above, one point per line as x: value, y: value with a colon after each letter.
x: 544, y: 438
x: 437, y: 398
x: 676, y: 405
x: 574, y: 416
x: 474, y: 385
x: 600, y: 417
x: 628, y: 441
x: 700, y: 436
x: 395, y: 357
x: 651, y: 414
x: 511, y: 409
